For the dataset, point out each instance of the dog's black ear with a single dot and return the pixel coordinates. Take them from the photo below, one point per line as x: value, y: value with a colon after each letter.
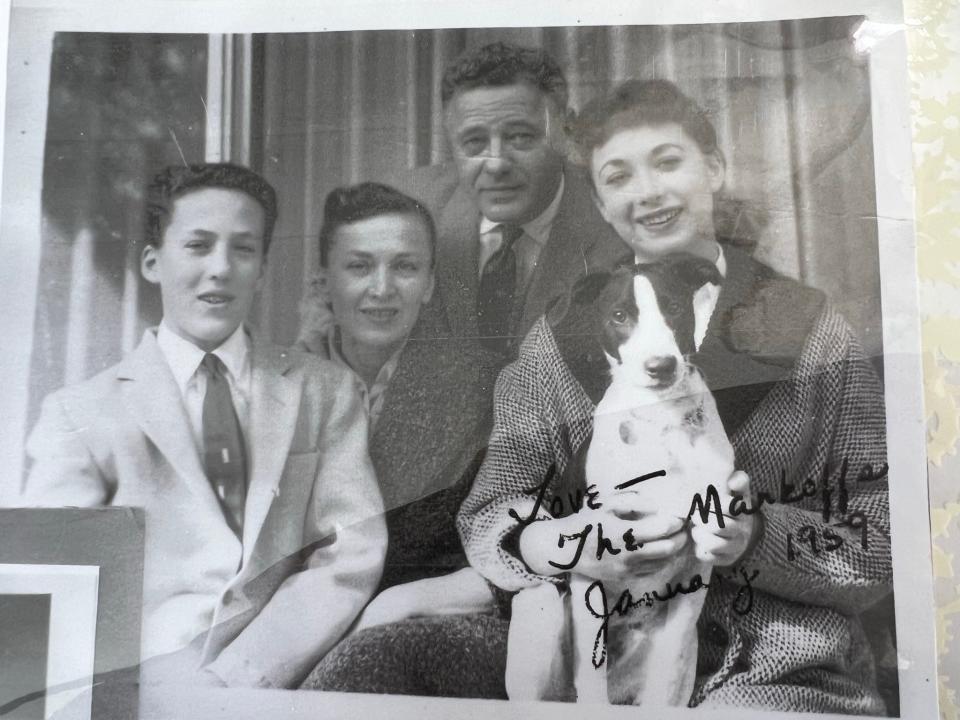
x: 584, y: 292
x: 588, y: 288
x: 695, y: 271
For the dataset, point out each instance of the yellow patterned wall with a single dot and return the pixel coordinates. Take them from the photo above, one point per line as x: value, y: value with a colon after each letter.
x: 933, y: 36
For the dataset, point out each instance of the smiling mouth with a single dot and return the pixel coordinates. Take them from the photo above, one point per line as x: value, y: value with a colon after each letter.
x: 215, y: 299
x: 659, y: 218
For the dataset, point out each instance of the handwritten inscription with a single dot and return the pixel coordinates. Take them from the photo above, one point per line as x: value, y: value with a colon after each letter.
x: 824, y: 540
x: 820, y: 540
x: 833, y: 498
x: 605, y: 545
x: 815, y: 540
x: 557, y: 507
x: 595, y: 599
x: 790, y: 493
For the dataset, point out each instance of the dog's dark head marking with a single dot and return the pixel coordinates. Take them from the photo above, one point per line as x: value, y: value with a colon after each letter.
x: 675, y: 280
x: 618, y: 311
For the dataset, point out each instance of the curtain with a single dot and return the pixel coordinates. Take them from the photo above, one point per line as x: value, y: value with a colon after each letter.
x: 790, y: 100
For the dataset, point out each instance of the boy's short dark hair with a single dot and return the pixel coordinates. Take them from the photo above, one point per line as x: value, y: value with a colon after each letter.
x: 637, y: 103
x: 499, y: 64
x: 177, y: 180
x: 347, y: 205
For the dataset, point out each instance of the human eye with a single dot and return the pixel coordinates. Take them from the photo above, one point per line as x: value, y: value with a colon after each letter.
x: 473, y: 144
x: 615, y: 178
x: 669, y: 163
x: 407, y: 267
x: 196, y: 244
x: 521, y: 139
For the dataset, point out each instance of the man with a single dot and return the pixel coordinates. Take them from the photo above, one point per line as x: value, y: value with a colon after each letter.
x: 264, y: 538
x: 517, y: 225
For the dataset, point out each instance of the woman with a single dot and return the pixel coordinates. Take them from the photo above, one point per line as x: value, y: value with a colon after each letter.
x: 428, y: 400
x: 797, y: 398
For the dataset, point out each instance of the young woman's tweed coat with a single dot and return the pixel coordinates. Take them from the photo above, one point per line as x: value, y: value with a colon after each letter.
x: 796, y: 395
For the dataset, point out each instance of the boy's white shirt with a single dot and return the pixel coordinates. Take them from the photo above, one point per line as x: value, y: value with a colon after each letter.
x: 184, y: 359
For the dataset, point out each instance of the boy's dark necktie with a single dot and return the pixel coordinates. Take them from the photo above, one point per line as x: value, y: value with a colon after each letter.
x: 224, y: 457
x: 498, y: 290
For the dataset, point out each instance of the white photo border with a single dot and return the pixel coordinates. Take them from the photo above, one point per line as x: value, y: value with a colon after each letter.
x: 33, y: 22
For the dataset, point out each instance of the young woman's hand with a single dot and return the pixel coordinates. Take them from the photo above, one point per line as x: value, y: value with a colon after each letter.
x: 643, y: 541
x: 725, y: 546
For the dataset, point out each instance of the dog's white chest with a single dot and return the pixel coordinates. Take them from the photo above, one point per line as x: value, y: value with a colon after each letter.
x: 679, y: 441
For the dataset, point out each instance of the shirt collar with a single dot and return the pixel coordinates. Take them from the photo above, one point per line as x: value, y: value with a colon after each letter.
x: 184, y: 357
x: 383, y: 377
x: 539, y: 227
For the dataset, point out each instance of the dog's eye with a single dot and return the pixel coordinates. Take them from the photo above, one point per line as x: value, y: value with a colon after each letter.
x: 619, y: 316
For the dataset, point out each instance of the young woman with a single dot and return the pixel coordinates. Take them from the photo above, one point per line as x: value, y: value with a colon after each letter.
x: 428, y: 398
x: 798, y: 400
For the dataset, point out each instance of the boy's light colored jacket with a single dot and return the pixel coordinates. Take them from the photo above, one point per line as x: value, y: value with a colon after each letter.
x: 313, y: 536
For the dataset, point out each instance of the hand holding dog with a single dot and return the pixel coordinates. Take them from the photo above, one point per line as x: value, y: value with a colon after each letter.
x: 658, y: 540
x: 725, y: 546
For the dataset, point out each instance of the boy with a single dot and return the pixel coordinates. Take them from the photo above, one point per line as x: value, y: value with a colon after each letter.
x: 264, y: 534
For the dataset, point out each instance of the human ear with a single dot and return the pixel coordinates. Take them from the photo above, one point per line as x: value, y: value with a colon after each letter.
x: 716, y: 168
x: 148, y: 264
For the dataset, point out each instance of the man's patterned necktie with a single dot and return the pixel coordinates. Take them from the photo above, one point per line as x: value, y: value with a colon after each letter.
x: 498, y: 292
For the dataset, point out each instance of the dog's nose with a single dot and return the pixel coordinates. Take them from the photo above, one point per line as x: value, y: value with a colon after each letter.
x: 661, y: 368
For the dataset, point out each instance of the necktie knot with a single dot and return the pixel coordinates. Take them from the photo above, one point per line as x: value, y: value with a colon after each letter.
x: 213, y: 366
x: 509, y: 234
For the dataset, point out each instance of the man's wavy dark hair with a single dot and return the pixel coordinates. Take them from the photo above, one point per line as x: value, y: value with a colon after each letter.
x: 177, y: 180
x: 499, y: 64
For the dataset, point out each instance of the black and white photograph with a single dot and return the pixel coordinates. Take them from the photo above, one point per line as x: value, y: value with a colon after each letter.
x: 466, y: 361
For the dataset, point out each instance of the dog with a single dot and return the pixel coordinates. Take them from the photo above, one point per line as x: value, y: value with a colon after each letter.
x: 657, y: 414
